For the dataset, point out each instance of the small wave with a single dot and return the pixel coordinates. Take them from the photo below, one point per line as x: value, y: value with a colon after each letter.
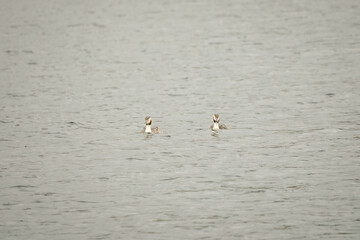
x: 22, y: 186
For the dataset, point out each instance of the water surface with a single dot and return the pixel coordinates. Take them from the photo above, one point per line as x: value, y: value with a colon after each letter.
x: 78, y: 78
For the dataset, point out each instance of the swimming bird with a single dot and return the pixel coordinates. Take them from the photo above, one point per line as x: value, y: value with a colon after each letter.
x: 148, y: 128
x: 216, y: 125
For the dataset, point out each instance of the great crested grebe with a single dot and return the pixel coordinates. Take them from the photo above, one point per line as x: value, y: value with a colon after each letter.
x: 148, y: 128
x: 216, y: 125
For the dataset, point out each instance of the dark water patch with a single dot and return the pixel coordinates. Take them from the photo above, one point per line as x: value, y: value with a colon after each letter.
x: 98, y: 25
x: 47, y: 194
x: 77, y: 211
x: 15, y: 95
x: 75, y: 25
x: 41, y: 76
x: 275, y: 146
x: 103, y: 178
x: 176, y: 95
x: 284, y: 227
x: 169, y: 179
x: 345, y: 233
x: 12, y: 52
x: 119, y: 108
x: 30, y: 176
x: 194, y: 190
x: 62, y: 153
x: 23, y: 186
x: 4, y: 140
x: 206, y: 181
x: 255, y: 191
x: 167, y: 153
x: 124, y: 62
x: 91, y: 128
x: 83, y: 201
x: 161, y: 220
x: 9, y: 204
x: 104, y: 236
x: 78, y: 125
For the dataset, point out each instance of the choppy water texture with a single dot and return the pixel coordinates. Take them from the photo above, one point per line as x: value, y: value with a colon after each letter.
x: 77, y: 79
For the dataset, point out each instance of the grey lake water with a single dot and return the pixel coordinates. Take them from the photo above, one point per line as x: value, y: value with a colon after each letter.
x: 77, y: 79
